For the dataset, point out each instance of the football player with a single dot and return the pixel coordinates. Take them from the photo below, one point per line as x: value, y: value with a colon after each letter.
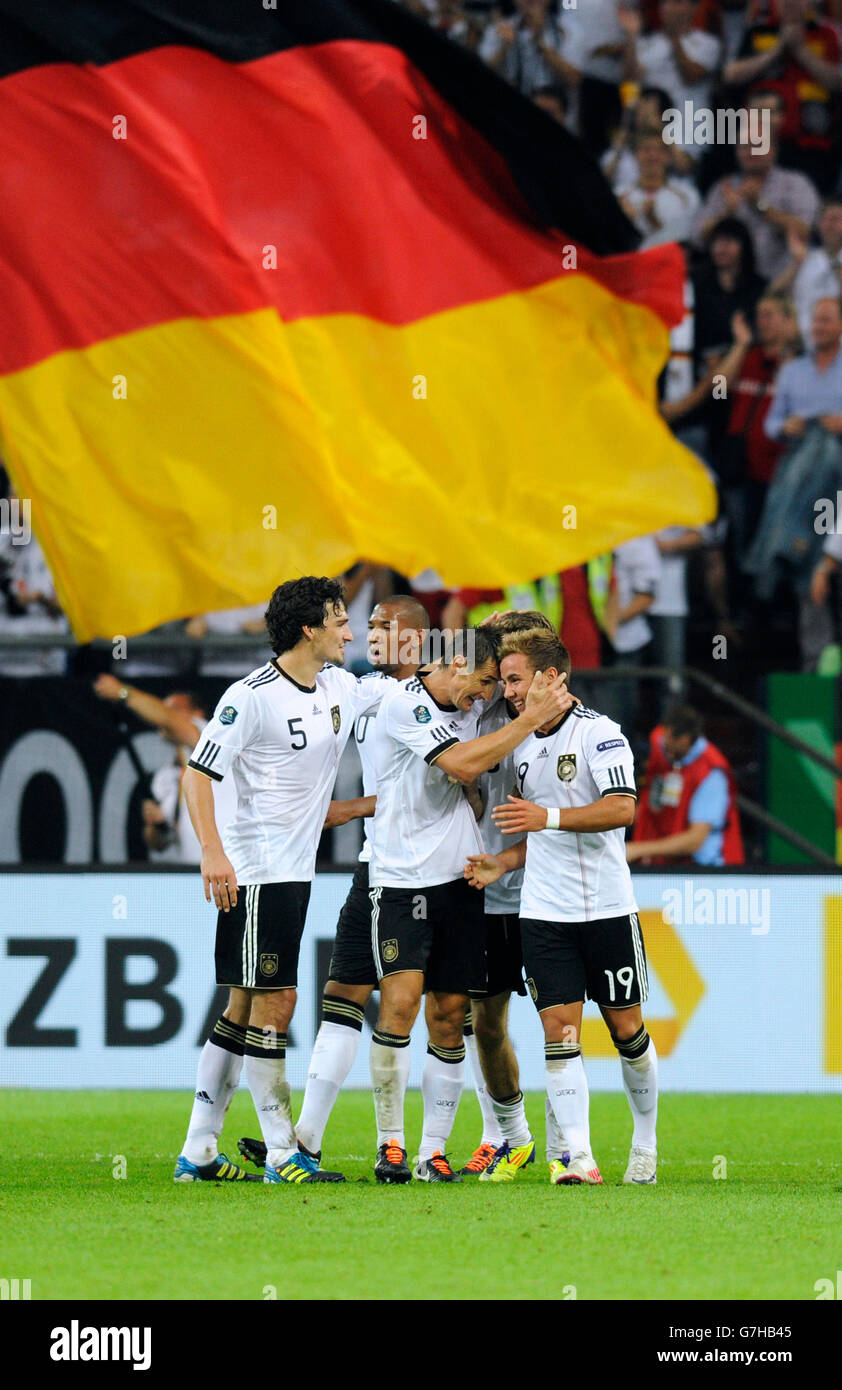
x: 280, y: 733
x: 425, y: 921
x: 579, y: 925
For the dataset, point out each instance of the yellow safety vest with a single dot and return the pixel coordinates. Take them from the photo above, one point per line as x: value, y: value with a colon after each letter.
x: 542, y: 596
x: 599, y: 584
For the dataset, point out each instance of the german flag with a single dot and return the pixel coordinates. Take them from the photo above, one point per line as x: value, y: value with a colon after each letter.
x: 286, y: 285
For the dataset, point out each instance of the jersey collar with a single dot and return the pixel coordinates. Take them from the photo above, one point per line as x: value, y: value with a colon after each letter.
x: 556, y: 727
x: 307, y: 689
x: 420, y: 674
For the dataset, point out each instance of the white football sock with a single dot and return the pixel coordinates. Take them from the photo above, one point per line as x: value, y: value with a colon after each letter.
x: 333, y: 1057
x: 491, y: 1133
x: 557, y: 1145
x: 390, y: 1061
x: 511, y: 1118
x: 265, y: 1072
x: 441, y: 1087
x: 217, y: 1078
x: 567, y: 1088
x: 640, y: 1083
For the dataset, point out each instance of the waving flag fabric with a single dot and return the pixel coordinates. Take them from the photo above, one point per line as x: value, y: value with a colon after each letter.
x: 285, y: 288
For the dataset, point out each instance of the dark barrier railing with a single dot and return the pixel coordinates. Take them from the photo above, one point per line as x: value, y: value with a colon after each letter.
x: 232, y: 644
x: 757, y: 716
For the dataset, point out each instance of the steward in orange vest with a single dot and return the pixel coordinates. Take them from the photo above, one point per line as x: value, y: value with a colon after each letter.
x: 688, y: 807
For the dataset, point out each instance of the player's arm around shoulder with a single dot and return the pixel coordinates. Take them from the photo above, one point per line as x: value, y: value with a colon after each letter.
x: 365, y: 692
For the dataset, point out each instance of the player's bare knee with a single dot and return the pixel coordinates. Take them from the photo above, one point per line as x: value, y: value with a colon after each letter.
x: 445, y: 1016
x: 624, y: 1024
x: 489, y: 1028
x: 357, y: 994
x: 238, y: 1009
x: 559, y: 1026
x: 622, y: 1033
x: 273, y: 1010
x: 445, y: 1030
x: 400, y: 999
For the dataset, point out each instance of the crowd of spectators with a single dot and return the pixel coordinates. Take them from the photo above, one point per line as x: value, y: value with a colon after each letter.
x: 754, y: 381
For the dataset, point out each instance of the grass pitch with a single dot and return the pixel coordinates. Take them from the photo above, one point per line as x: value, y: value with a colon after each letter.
x: 766, y: 1228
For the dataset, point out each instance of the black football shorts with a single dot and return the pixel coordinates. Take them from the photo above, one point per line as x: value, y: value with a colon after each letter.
x: 439, y: 931
x: 257, y: 942
x: 603, y: 960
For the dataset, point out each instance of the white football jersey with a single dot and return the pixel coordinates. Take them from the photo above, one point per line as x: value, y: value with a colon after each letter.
x: 570, y: 876
x: 364, y: 739
x: 495, y: 786
x: 282, y: 742
x: 423, y: 828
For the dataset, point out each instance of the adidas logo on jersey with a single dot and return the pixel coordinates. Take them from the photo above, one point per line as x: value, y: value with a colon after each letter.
x: 316, y: 709
x: 543, y: 753
x: 203, y: 1095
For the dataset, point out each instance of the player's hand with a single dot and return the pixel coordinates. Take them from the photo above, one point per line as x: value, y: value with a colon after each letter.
x: 152, y: 812
x: 218, y: 877
x: 517, y: 816
x: 794, y: 427
x: 482, y: 869
x: 338, y: 813
x: 108, y: 687
x: 473, y: 796
x: 832, y: 423
x: 547, y: 700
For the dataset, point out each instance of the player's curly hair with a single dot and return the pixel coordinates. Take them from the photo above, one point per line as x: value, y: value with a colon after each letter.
x: 297, y: 604
x: 542, y: 650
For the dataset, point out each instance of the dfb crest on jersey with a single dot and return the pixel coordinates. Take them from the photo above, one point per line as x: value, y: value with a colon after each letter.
x: 530, y: 985
x: 389, y: 951
x: 228, y: 715
x: 566, y: 767
x: 422, y: 714
x: 269, y: 965
x: 336, y: 717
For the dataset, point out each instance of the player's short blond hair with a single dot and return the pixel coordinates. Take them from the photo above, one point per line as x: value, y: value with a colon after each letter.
x: 528, y: 621
x: 541, y: 649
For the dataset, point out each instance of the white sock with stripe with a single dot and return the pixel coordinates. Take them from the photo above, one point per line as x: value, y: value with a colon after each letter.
x: 491, y: 1133
x: 217, y: 1078
x: 390, y: 1063
x: 639, y: 1065
x: 265, y: 1072
x: 441, y: 1087
x: 511, y: 1118
x: 557, y: 1145
x: 567, y: 1089
x: 333, y: 1056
